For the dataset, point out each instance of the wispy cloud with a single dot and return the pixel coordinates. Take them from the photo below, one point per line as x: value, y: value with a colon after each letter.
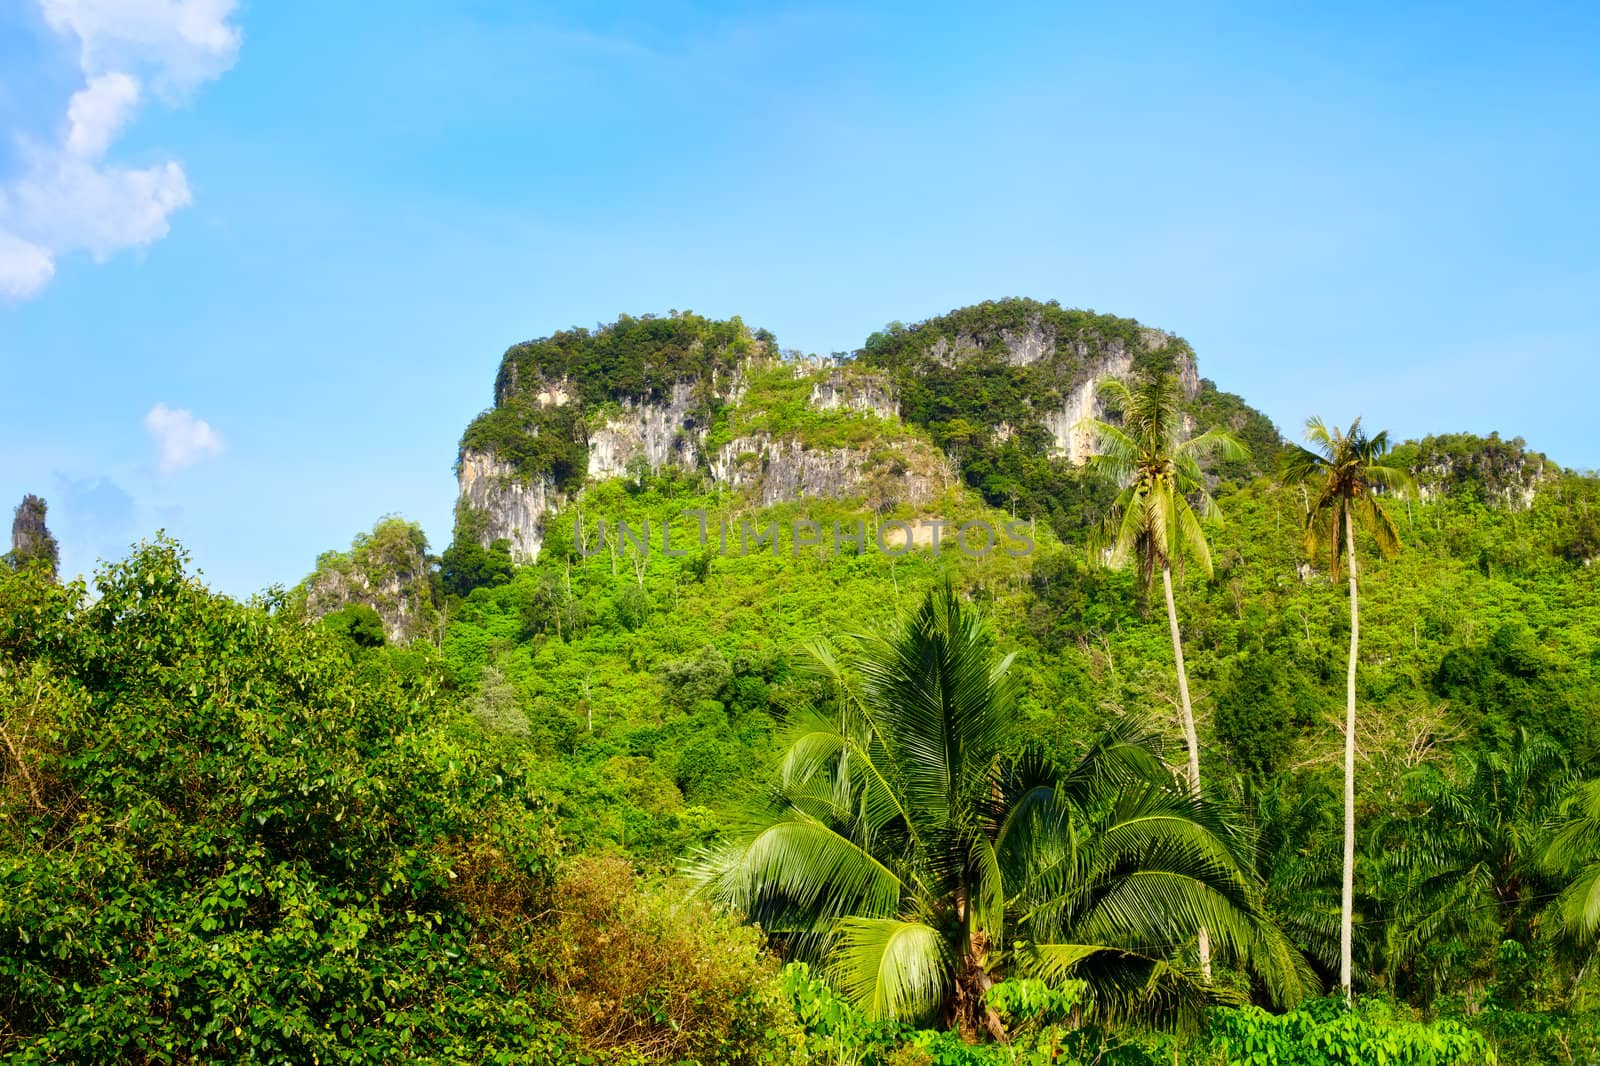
x: 182, y: 440
x: 68, y: 198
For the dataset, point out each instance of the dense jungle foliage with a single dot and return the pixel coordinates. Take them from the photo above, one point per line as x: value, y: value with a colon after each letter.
x: 231, y: 833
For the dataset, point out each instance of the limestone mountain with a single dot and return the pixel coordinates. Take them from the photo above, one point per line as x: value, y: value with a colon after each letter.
x: 1488, y: 469
x: 1018, y: 370
x: 990, y: 394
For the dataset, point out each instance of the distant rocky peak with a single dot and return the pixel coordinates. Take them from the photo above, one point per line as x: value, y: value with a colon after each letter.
x: 31, y: 540
x: 1494, y: 471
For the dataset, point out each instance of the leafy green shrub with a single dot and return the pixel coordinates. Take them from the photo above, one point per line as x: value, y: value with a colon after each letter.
x: 1324, y: 1033
x: 467, y: 564
x: 1512, y: 682
x: 1539, y: 1036
x: 1043, y: 1030
x: 497, y: 705
x: 357, y: 623
x: 690, y: 681
x: 633, y: 608
x: 1258, y: 716
x: 646, y: 976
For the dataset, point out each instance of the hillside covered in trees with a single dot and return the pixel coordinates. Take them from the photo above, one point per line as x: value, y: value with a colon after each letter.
x: 769, y: 708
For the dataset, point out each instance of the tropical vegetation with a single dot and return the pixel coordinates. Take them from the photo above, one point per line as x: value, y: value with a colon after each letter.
x: 919, y: 854
x: 837, y: 806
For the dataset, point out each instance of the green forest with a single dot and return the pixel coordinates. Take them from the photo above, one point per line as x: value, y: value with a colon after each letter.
x: 1275, y: 748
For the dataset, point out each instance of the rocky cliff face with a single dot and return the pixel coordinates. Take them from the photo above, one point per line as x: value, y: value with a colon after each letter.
x: 1083, y: 401
x: 870, y: 393
x: 776, y: 471
x: 654, y: 434
x: 769, y: 467
x: 512, y: 506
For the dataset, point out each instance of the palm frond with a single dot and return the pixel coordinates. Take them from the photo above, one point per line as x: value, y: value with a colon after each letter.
x: 1318, y: 434
x: 891, y: 969
x: 1579, y: 904
x: 803, y: 863
x: 1116, y: 454
x: 1300, y: 465
x: 1376, y: 518
x: 1393, y: 479
x: 951, y: 711
x: 1115, y: 394
x: 1192, y: 537
x: 1129, y: 986
x: 1215, y: 444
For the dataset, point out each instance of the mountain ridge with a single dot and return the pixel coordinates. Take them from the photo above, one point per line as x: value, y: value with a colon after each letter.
x: 985, y: 397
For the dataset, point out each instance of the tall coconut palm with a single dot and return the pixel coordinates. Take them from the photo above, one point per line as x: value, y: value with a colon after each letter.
x: 912, y: 848
x: 1155, y: 519
x: 1351, y: 475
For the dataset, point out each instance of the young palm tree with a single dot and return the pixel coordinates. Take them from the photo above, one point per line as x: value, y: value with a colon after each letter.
x: 1351, y: 474
x: 1458, y: 861
x: 1572, y: 853
x: 911, y: 848
x: 1156, y: 525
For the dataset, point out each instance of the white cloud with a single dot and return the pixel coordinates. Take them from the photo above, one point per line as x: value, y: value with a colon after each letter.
x: 25, y: 268
x: 66, y: 203
x: 68, y: 198
x: 98, y: 111
x: 181, y: 439
x: 181, y: 43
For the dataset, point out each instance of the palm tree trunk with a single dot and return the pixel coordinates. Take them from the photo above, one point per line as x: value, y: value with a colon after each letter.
x: 973, y: 1013
x: 1191, y: 739
x: 1347, y: 888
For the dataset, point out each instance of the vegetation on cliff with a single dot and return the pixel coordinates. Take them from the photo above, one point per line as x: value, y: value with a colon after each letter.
x: 583, y: 374
x: 388, y: 574
x: 983, y: 379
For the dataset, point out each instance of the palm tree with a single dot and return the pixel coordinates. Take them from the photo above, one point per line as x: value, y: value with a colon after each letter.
x: 1458, y: 861
x: 1573, y: 853
x: 1351, y: 474
x: 1155, y: 523
x: 1296, y: 844
x: 912, y: 848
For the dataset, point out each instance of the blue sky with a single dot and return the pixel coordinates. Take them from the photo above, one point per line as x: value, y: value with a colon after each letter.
x: 258, y: 262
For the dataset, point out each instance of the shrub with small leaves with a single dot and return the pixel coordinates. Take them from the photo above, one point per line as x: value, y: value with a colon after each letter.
x: 1326, y: 1033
